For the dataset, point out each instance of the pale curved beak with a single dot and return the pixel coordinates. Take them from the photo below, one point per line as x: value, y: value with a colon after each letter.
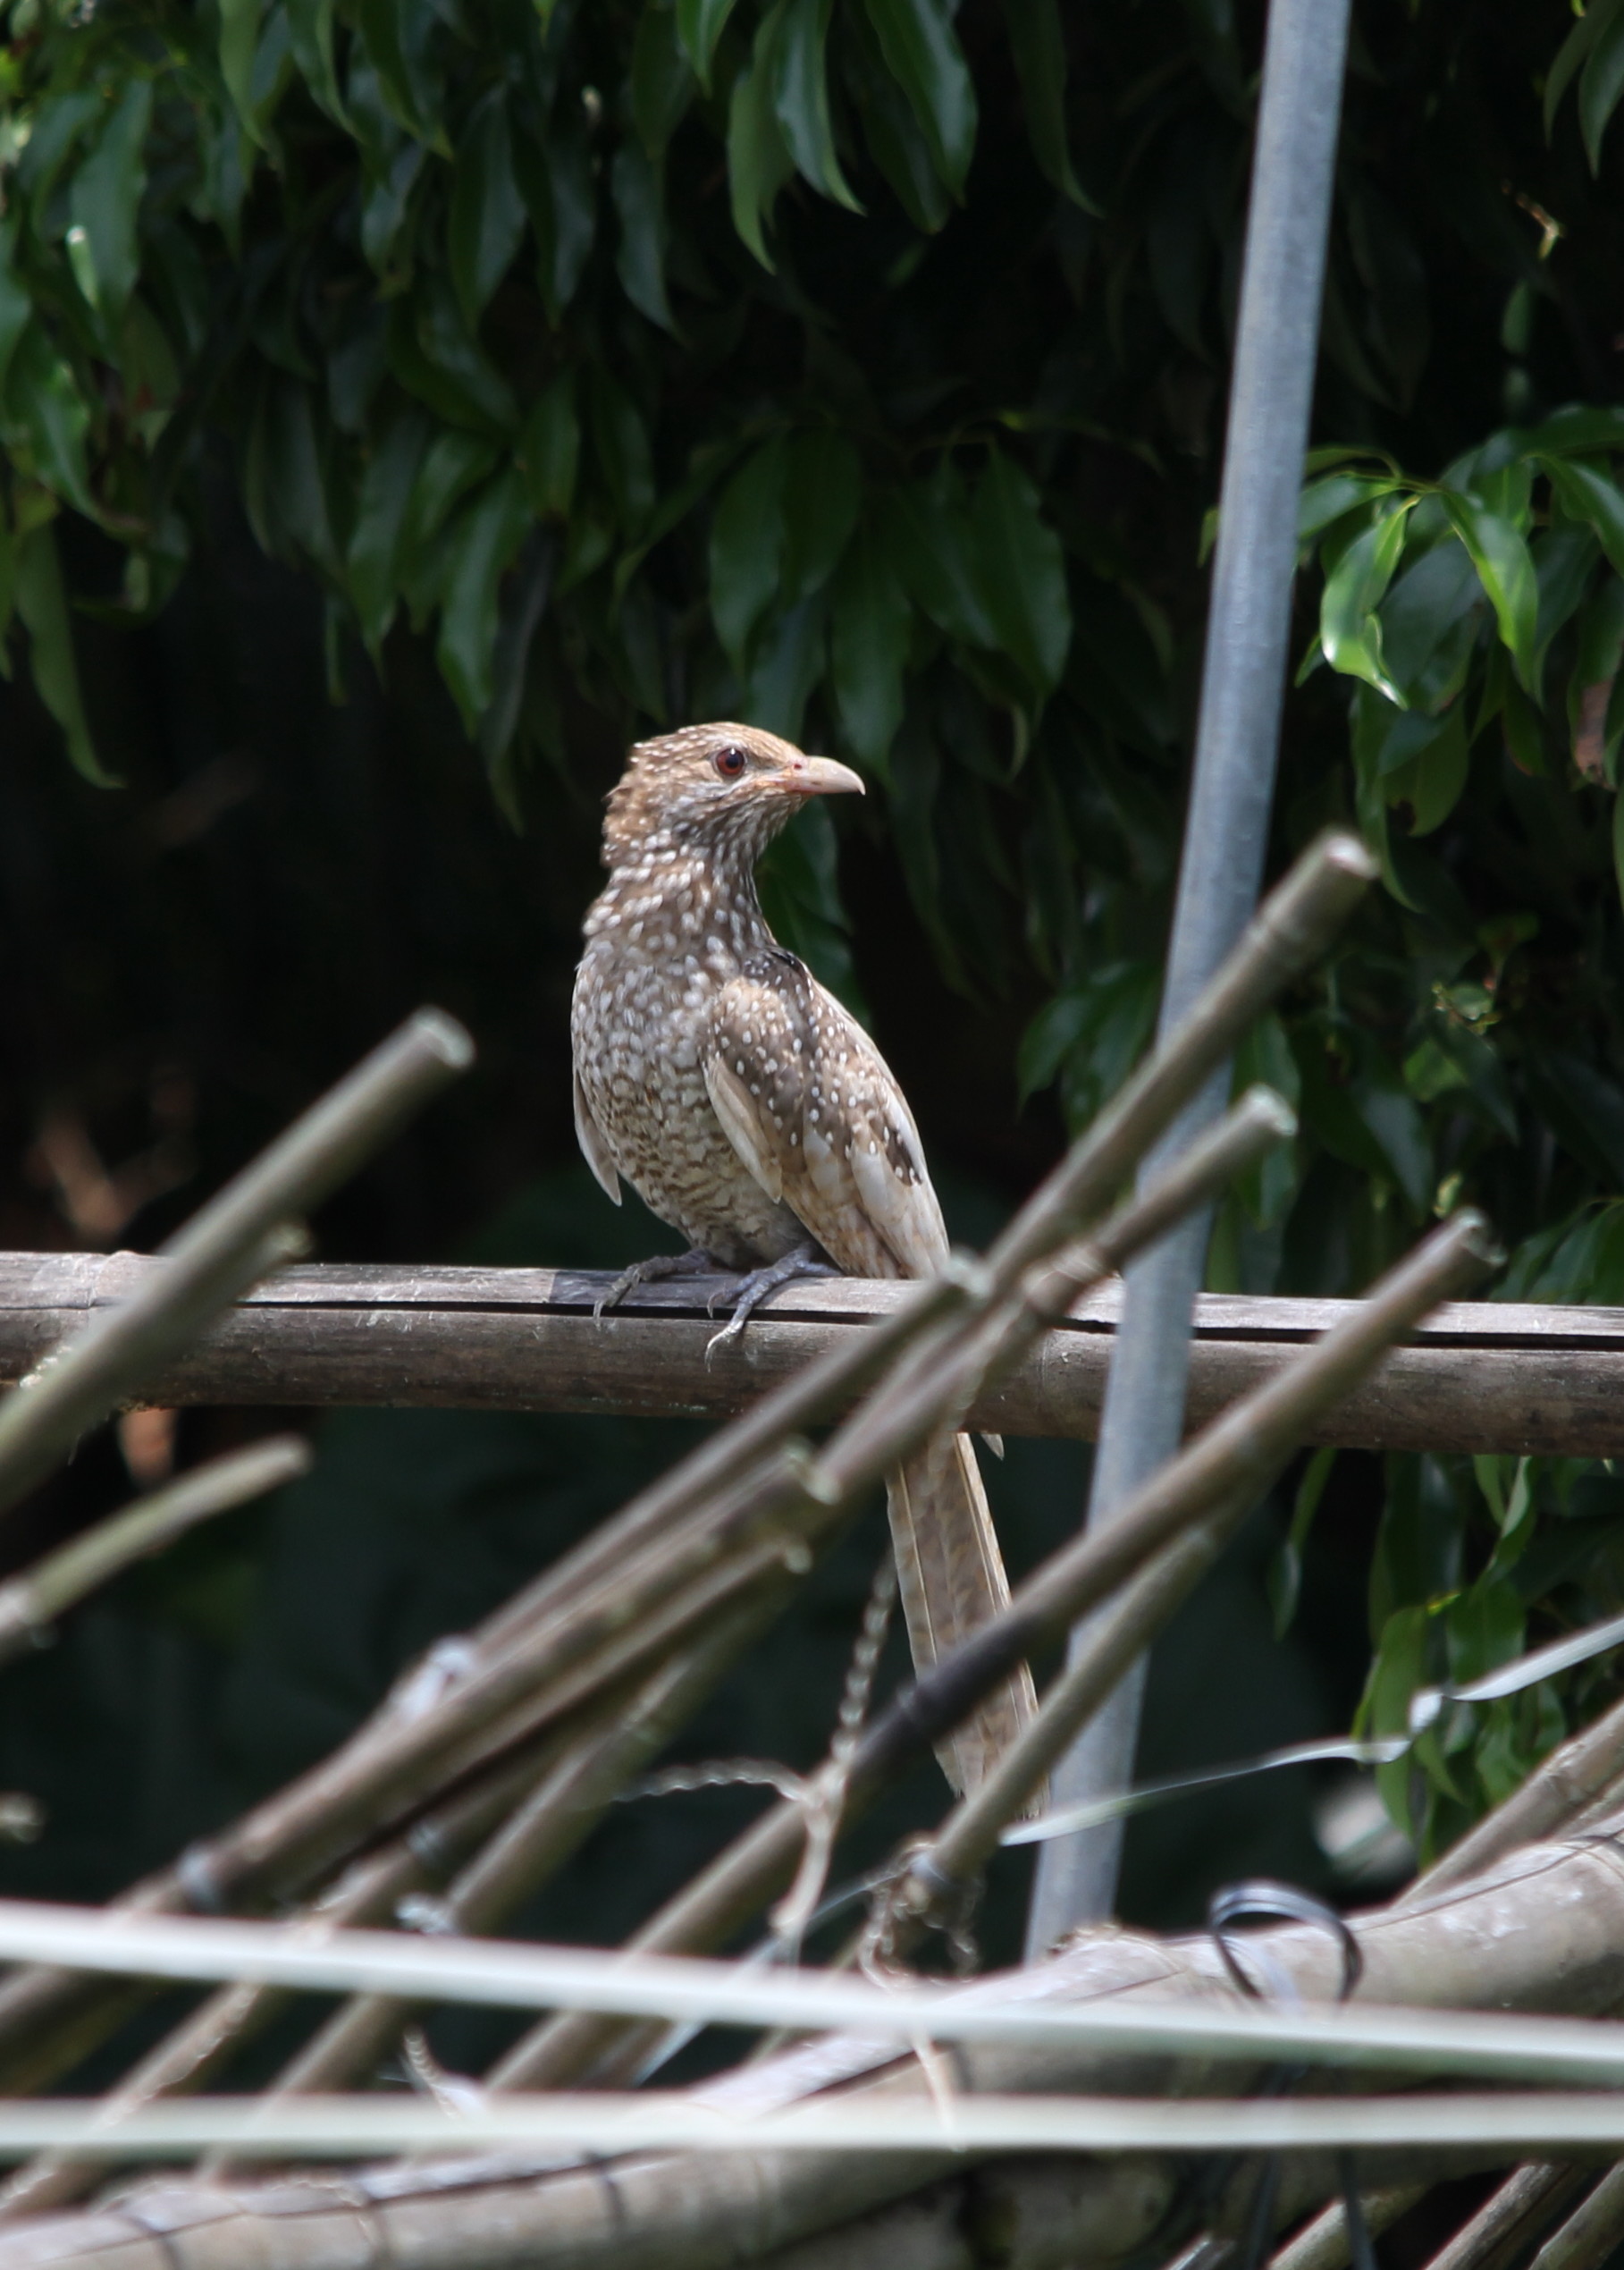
x: 820, y: 776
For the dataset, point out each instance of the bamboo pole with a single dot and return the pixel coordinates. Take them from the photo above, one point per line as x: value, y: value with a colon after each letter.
x: 1512, y: 1378
x: 251, y: 1227
x: 1236, y: 1456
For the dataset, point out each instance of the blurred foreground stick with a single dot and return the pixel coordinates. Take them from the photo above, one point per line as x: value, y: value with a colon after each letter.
x: 754, y: 1492
x: 746, y: 1507
x: 254, y: 1225
x: 1225, y: 1468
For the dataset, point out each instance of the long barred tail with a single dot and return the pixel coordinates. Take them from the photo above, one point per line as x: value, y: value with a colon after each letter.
x: 950, y: 1577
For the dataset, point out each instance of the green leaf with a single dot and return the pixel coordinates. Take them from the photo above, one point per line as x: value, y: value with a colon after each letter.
x: 105, y: 202
x: 42, y: 604
x: 399, y: 36
x: 283, y: 490
x: 759, y: 161
x: 310, y: 27
x: 621, y: 443
x: 890, y: 129
x: 1268, y: 1188
x: 801, y: 98
x: 380, y: 523
x: 1579, y: 430
x: 1600, y: 84
x: 1429, y: 785
x: 487, y: 216
x: 1572, y: 53
x: 922, y: 54
x: 1285, y: 1571
x: 1618, y: 844
x: 929, y: 531
x: 746, y: 539
x: 1324, y: 502
x: 662, y: 82
x: 488, y: 533
x: 1023, y: 573
x: 1505, y: 571
x: 639, y: 195
x: 238, y: 38
x: 1365, y: 1116
x: 1564, y: 560
x: 522, y: 602
x: 450, y: 466
x: 1350, y: 628
x: 42, y: 396
x: 1038, y: 46
x: 822, y: 490
x: 788, y: 664
x: 1095, y: 1032
x: 1598, y: 650
x: 1589, y: 494
x: 555, y: 177
x: 699, y: 27
x: 467, y: 378
x: 15, y: 305
x: 1484, y: 1629
x: 868, y: 648
x: 550, y: 448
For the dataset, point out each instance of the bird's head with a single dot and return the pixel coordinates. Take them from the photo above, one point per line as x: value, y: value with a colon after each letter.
x: 715, y: 790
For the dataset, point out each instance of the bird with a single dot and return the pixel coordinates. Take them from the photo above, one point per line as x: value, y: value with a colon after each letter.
x: 750, y: 1111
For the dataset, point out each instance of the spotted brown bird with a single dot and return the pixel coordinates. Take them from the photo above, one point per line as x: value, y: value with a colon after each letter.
x: 748, y: 1110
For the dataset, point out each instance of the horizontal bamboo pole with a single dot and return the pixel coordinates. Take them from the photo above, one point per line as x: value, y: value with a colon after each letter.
x: 354, y: 2127
x: 1478, y: 1376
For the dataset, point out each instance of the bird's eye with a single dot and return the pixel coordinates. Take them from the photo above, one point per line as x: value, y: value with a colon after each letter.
x: 730, y: 762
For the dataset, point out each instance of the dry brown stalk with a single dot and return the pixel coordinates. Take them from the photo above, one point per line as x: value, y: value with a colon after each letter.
x: 528, y: 1848
x: 628, y: 1608
x: 1510, y: 2217
x: 209, y: 2037
x: 1235, y: 1457
x: 1591, y: 2234
x: 251, y: 1225
x: 1323, y: 2244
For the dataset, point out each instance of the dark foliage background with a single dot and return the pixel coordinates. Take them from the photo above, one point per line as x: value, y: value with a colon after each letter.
x: 405, y: 403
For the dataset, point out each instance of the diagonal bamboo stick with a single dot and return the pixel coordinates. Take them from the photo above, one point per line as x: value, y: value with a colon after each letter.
x: 631, y: 1612
x: 1290, y: 930
x: 534, y: 1842
x: 31, y: 1602
x: 230, y: 1242
x: 1236, y: 1455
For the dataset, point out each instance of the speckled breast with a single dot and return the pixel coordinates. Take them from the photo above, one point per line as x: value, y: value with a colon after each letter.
x: 635, y: 1024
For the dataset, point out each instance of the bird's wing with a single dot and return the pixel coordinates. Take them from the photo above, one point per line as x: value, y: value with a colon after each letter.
x: 594, y: 1144
x: 810, y: 1105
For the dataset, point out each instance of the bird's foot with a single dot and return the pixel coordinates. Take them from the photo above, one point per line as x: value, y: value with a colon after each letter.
x: 694, y: 1263
x: 753, y: 1289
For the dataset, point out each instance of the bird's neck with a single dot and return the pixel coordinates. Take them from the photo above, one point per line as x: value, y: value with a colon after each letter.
x: 670, y: 894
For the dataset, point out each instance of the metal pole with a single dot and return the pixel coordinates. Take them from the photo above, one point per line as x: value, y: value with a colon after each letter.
x: 1226, y: 829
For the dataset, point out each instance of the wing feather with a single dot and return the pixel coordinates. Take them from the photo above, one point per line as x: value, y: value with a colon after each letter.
x: 743, y: 1123
x: 594, y: 1146
x: 811, y: 1109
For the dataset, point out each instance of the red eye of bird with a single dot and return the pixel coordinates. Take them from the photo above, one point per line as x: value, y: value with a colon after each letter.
x: 730, y: 762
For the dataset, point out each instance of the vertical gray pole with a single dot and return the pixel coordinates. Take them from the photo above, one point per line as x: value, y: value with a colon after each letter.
x: 1227, y: 829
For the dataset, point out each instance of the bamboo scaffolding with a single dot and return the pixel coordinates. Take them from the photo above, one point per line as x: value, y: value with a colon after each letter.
x: 638, y: 1586
x: 492, y: 1760
x: 1507, y: 1377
